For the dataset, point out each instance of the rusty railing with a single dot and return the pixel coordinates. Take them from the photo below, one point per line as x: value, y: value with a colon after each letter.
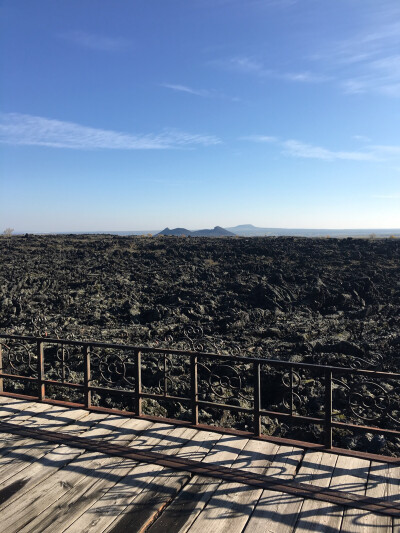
x: 255, y: 394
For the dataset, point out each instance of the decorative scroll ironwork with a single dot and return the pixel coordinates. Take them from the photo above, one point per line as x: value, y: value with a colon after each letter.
x: 166, y: 375
x: 250, y: 387
x: 20, y: 358
x: 40, y: 326
x: 63, y: 363
x: 63, y: 357
x: 372, y: 361
x: 291, y: 382
x: 368, y: 401
x: 227, y: 382
x: 112, y: 367
x: 194, y: 338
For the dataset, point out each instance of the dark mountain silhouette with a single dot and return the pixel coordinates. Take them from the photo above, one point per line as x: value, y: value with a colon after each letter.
x: 177, y: 232
x: 216, y: 232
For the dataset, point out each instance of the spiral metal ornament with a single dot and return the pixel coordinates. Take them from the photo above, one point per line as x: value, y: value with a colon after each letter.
x: 20, y: 358
x: 369, y: 401
x: 195, y: 339
x: 194, y: 336
x: 291, y: 398
x: 223, y: 381
x: 372, y: 402
x: 63, y: 357
x: 226, y: 382
x: 374, y: 361
x: 112, y: 367
x: 165, y: 369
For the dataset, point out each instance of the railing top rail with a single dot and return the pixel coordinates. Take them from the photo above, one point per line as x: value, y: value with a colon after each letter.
x: 241, y: 358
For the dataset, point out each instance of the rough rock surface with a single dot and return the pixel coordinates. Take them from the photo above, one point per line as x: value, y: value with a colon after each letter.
x: 314, y: 300
x: 279, y: 297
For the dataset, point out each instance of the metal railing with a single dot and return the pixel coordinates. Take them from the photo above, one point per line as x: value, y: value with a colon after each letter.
x: 212, y: 386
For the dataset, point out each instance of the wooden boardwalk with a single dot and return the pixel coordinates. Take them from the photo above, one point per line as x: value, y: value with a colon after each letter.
x: 72, y: 487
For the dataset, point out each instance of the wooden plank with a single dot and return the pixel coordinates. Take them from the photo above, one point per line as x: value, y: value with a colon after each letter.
x: 22, y: 408
x: 192, y: 499
x: 137, y: 498
x: 277, y: 511
x: 232, y: 504
x: 317, y: 469
x: 380, y: 482
x: 16, y: 411
x: 88, y: 468
x: 20, y: 452
x: 39, y: 456
x: 41, y: 415
x: 24, y: 473
x: 4, y: 400
x: 349, y: 475
x: 393, y: 490
x: 30, y: 416
x: 116, y: 494
x: 163, y: 489
x: 116, y: 500
x: 12, y: 406
x: 180, y: 515
x: 88, y: 489
x: 36, y: 462
x: 140, y: 477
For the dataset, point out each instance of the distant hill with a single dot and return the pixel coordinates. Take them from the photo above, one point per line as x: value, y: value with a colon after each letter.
x: 216, y: 232
x: 248, y: 230
x: 176, y: 232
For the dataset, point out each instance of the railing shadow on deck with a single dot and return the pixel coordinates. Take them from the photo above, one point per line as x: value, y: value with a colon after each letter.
x: 168, y: 483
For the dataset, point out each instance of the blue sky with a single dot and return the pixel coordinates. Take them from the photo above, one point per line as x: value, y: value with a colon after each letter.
x: 141, y: 114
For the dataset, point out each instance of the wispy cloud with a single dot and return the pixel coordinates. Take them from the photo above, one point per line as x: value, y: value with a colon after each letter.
x: 19, y: 129
x: 203, y: 93
x: 186, y: 89
x: 251, y: 65
x: 309, y: 151
x: 387, y: 150
x: 96, y: 42
x: 300, y: 149
x: 369, y: 61
x: 304, y: 77
x: 366, y: 62
x: 243, y: 64
x: 259, y: 138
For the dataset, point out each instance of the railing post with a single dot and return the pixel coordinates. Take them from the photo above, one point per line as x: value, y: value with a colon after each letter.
x: 87, y: 377
x: 291, y: 391
x: 328, y: 409
x: 40, y: 371
x: 138, y: 381
x: 1, y: 368
x: 194, y: 392
x: 62, y: 364
x: 165, y: 375
x: 257, y: 398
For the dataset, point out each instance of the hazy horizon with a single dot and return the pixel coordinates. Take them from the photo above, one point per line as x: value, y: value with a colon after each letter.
x: 154, y: 114
x: 152, y: 231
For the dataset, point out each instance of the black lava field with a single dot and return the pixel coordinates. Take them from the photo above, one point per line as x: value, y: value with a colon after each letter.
x: 333, y: 301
